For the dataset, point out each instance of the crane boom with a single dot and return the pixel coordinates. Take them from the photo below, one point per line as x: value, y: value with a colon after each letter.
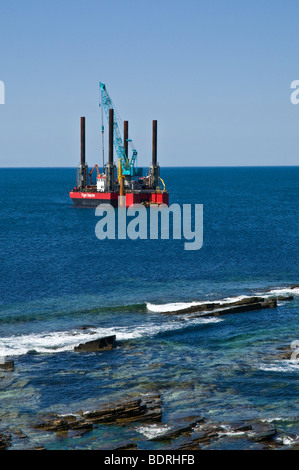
x: 128, y: 166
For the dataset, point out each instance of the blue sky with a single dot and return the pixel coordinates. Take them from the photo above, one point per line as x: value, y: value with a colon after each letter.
x: 215, y: 74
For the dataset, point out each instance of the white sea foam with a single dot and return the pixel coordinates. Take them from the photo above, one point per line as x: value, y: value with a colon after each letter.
x: 60, y: 341
x: 288, y: 440
x: 288, y: 418
x: 227, y: 431
x: 172, y: 307
x: 271, y: 420
x: 280, y: 291
x: 280, y: 366
x: 231, y: 433
x: 153, y: 430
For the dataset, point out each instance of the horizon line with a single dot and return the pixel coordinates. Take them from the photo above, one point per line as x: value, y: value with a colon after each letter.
x: 164, y: 166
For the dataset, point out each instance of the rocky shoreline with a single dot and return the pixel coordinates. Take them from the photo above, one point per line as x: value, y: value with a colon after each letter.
x: 192, y: 433
x: 141, y: 409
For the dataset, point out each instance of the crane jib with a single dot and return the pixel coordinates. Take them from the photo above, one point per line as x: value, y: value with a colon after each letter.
x: 128, y: 165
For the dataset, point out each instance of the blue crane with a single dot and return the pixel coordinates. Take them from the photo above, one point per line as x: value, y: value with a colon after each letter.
x: 127, y: 165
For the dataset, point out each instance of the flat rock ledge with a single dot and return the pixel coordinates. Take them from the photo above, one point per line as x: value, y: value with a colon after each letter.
x: 146, y: 408
x: 285, y: 353
x: 217, y: 308
x: 189, y: 433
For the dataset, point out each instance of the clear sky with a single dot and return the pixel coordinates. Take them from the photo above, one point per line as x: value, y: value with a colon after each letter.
x: 215, y: 74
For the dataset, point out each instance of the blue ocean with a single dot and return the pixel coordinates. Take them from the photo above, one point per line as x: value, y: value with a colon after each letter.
x: 61, y: 286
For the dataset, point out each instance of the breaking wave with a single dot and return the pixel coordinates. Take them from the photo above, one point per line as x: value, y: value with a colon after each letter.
x: 61, y: 341
x: 175, y: 306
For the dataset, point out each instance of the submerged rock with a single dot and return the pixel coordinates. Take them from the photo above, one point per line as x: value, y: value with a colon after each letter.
x: 8, y: 366
x: 285, y: 353
x: 129, y: 446
x: 19, y: 433
x: 5, y: 438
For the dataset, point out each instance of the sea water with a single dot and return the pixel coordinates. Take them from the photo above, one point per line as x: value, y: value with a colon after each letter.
x: 61, y: 286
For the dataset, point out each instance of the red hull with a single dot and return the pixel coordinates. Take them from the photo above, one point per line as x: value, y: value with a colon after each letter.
x: 93, y: 199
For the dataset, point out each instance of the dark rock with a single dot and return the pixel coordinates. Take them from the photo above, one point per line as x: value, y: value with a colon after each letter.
x: 79, y: 428
x: 211, y: 429
x: 100, y: 344
x: 285, y: 354
x: 55, y: 423
x: 130, y: 446
x: 80, y: 425
x: 284, y: 297
x: 247, y: 307
x: 196, y: 439
x: 4, y: 440
x: 240, y: 427
x: 262, y: 432
x: 294, y: 446
x: 215, y: 305
x: 7, y: 366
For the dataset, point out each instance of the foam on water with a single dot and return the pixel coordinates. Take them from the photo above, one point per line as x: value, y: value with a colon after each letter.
x: 60, y: 341
x: 281, y: 291
x: 281, y: 366
x: 287, y: 440
x: 153, y: 430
